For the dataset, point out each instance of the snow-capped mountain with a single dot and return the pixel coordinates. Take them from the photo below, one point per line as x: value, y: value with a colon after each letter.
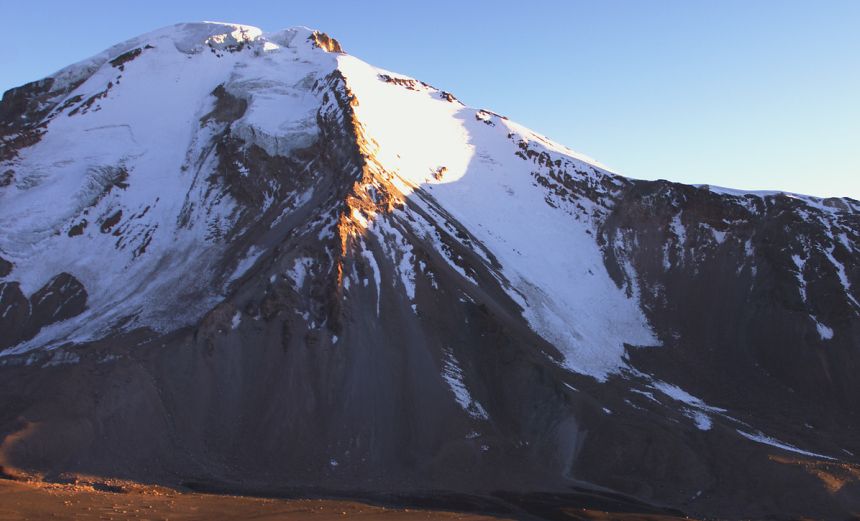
x: 251, y: 261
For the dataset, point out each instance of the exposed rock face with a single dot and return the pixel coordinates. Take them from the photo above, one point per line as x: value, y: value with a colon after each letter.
x: 291, y: 270
x: 326, y: 42
x: 756, y: 288
x: 63, y: 297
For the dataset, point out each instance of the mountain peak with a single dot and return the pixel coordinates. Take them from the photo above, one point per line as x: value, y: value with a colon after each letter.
x: 193, y: 37
x: 237, y: 256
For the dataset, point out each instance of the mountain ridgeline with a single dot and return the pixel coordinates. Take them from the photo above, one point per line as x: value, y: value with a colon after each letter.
x: 250, y: 262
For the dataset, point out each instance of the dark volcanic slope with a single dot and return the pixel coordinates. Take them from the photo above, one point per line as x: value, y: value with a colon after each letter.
x: 292, y: 271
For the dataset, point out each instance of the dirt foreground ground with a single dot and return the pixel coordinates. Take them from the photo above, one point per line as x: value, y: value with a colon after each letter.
x: 40, y: 501
x: 37, y: 501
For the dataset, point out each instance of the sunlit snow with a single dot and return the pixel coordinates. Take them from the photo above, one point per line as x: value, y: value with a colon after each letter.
x: 553, y: 262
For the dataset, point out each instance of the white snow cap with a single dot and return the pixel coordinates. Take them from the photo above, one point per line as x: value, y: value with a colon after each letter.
x: 148, y: 97
x: 189, y: 38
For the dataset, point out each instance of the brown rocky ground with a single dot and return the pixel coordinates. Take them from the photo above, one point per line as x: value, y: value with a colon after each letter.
x: 96, y: 499
x: 33, y: 500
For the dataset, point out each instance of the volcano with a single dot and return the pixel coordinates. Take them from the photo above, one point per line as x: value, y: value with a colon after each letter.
x: 250, y: 262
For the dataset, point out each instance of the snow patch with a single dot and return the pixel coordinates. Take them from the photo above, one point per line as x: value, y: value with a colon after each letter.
x: 299, y: 272
x: 702, y: 420
x: 453, y: 376
x: 62, y: 358
x: 824, y: 332
x: 377, y: 278
x: 843, y: 277
x: 676, y: 393
x: 246, y: 262
x: 400, y: 251
x: 761, y: 438
x: 800, y: 263
x: 679, y: 231
x: 698, y: 408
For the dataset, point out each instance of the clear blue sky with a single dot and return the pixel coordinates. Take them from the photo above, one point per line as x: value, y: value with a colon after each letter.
x: 751, y: 94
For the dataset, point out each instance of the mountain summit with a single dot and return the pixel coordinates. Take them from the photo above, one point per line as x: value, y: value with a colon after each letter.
x: 248, y: 261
